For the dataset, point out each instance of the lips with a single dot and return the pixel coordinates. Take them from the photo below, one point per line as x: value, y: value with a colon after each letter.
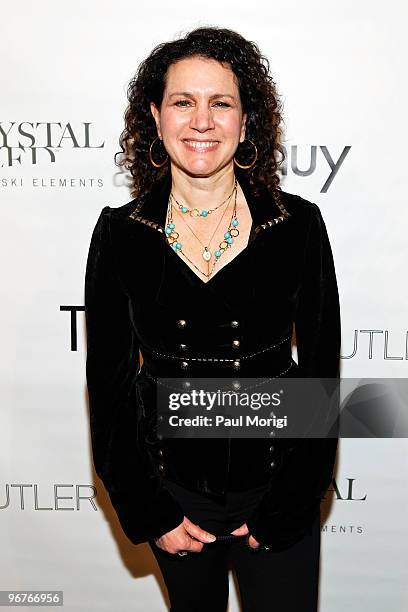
x: 201, y: 145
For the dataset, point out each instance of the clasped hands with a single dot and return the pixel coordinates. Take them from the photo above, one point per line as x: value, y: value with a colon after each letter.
x: 190, y: 537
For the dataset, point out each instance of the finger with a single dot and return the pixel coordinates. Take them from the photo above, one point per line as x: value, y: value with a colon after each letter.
x: 253, y: 543
x: 242, y: 530
x: 199, y: 534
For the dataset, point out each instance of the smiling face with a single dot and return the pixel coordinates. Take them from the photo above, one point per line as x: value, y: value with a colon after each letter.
x: 200, y: 121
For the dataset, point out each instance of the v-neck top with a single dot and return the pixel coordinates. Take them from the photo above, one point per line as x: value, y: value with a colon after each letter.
x: 226, y: 284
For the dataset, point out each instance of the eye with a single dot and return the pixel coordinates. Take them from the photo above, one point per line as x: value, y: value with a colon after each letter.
x: 180, y: 103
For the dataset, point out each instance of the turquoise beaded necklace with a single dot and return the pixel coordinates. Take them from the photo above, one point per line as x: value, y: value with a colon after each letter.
x: 194, y: 212
x: 232, y: 232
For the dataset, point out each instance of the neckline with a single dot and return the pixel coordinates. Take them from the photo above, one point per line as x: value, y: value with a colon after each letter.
x: 151, y: 210
x: 189, y: 270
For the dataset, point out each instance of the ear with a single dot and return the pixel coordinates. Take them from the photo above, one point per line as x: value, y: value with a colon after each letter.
x: 156, y: 115
x: 243, y: 128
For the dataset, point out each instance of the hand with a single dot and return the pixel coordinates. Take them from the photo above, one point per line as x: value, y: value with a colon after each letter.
x: 181, y: 538
x: 243, y: 530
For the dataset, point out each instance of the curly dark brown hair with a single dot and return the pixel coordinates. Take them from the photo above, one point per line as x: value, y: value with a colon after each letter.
x: 259, y: 99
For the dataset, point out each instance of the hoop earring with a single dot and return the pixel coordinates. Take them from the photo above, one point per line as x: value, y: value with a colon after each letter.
x: 256, y: 157
x: 150, y: 155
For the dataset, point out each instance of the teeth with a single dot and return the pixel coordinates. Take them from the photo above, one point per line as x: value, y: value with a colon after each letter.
x: 201, y: 145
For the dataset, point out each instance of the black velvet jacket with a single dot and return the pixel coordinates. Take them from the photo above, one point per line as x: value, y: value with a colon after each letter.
x: 140, y: 294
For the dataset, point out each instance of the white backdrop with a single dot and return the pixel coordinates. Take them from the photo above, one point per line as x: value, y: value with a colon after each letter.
x: 341, y: 73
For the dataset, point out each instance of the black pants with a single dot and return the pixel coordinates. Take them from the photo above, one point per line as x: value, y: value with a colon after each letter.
x: 286, y: 581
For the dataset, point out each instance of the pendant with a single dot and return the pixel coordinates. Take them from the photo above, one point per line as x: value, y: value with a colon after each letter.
x: 206, y: 254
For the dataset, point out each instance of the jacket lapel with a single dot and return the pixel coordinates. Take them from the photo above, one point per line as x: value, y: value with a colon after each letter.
x: 152, y: 209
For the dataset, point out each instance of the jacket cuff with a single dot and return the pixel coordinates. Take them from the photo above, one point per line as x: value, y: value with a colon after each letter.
x: 278, y: 532
x: 141, y: 519
x: 288, y: 509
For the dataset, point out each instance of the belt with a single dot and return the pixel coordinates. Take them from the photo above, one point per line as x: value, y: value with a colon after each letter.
x: 277, y: 355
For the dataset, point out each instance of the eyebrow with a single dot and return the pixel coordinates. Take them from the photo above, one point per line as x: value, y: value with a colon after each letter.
x: 190, y: 95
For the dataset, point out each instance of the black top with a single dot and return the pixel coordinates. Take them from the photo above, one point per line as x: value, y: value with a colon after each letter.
x: 141, y: 295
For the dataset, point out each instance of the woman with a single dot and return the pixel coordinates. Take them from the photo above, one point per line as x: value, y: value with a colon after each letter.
x: 206, y: 272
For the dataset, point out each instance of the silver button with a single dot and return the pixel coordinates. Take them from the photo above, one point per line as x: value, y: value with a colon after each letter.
x: 236, y: 384
x: 184, y: 364
x: 182, y: 347
x: 236, y: 364
x: 186, y: 384
x: 272, y: 464
x: 160, y: 452
x: 235, y: 344
x: 181, y: 323
x: 234, y: 323
x: 271, y: 449
x: 161, y: 467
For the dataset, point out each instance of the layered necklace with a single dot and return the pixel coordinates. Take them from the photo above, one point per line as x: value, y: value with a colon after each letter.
x: 232, y: 231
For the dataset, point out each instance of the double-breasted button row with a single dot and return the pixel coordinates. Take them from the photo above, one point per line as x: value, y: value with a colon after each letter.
x: 273, y: 463
x: 235, y: 343
x: 181, y: 324
x: 161, y: 465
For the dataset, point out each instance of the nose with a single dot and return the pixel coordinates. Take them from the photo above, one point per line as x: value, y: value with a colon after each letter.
x: 202, y: 118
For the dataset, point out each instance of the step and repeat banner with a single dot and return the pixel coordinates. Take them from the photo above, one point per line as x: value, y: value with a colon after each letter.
x: 65, y: 69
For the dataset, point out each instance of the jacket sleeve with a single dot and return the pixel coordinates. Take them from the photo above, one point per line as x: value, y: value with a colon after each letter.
x: 144, y: 507
x: 292, y: 501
